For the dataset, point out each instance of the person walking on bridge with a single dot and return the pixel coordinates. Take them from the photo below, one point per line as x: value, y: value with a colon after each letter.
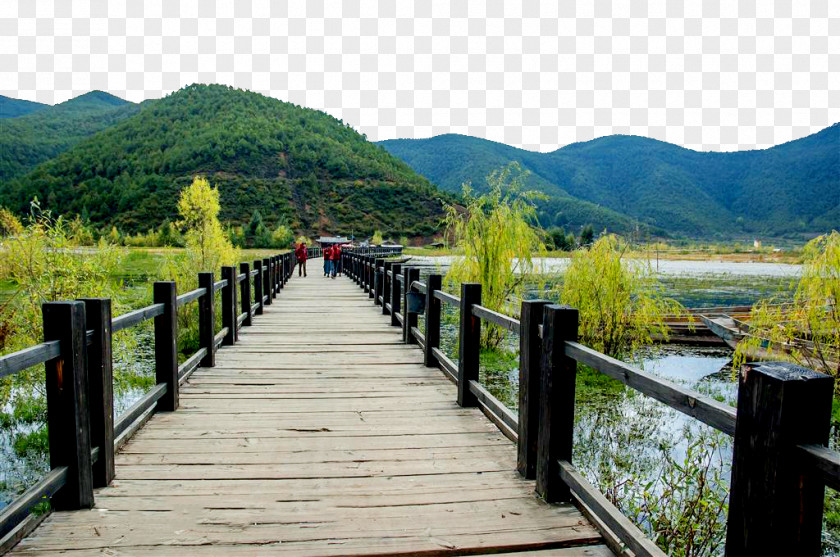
x: 335, y: 253
x: 300, y: 254
x: 327, y: 253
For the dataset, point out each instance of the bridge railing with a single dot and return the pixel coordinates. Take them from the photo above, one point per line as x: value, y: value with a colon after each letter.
x: 77, y: 355
x: 780, y: 465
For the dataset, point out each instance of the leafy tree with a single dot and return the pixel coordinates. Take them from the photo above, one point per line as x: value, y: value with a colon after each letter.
x: 587, y: 235
x: 282, y: 237
x: 497, y: 236
x: 255, y: 227
x: 620, y: 307
x: 808, y: 330
x: 80, y: 232
x: 114, y: 236
x: 168, y: 235
x: 377, y: 238
x: 207, y: 247
x: 9, y: 224
x: 560, y: 240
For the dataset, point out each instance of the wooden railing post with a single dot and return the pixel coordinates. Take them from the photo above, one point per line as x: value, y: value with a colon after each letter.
x: 556, y: 400
x: 274, y: 273
x: 386, y: 287
x: 377, y: 280
x: 229, y: 305
x: 469, y: 343
x: 101, y: 388
x: 245, y: 294
x: 370, y: 276
x: 258, y: 288
x: 432, y: 325
x: 530, y: 347
x: 207, y: 319
x: 775, y: 509
x: 68, y: 423
x: 267, y: 281
x: 166, y: 344
x: 411, y: 274
x: 395, y: 296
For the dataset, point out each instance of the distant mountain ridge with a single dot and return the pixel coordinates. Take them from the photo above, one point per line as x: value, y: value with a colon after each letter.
x: 12, y: 108
x: 789, y: 189
x: 30, y: 139
x: 296, y: 165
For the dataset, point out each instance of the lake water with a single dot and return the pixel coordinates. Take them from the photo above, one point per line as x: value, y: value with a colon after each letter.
x: 663, y: 267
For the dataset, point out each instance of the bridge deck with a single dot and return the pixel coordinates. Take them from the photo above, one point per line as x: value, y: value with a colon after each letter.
x: 319, y: 433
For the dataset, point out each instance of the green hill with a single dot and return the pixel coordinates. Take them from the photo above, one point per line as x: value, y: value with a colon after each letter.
x: 791, y: 189
x: 12, y: 108
x: 29, y: 140
x: 294, y: 164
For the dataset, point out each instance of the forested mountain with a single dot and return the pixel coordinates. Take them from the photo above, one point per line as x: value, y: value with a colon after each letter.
x: 12, y: 108
x: 790, y: 189
x: 31, y: 139
x: 294, y: 164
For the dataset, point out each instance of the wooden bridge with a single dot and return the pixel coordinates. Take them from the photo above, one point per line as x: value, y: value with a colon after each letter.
x: 325, y: 427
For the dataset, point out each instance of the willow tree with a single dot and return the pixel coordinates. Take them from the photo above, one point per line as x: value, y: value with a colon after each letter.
x: 808, y: 330
x: 497, y: 235
x: 618, y: 301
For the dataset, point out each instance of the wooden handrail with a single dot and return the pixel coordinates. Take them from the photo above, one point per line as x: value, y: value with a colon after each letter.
x: 28, y: 357
x: 136, y: 317
x: 688, y: 401
x: 496, y: 318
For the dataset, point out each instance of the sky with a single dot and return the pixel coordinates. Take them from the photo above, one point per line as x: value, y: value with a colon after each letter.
x: 718, y: 75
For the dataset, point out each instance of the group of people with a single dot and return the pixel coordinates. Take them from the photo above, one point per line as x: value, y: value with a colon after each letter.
x: 332, y: 260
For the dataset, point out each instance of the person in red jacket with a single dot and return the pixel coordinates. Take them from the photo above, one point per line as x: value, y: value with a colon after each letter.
x: 336, y: 260
x: 300, y: 255
x: 327, y: 261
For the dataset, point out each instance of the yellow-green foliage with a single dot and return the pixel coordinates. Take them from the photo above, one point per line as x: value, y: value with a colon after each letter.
x: 207, y: 246
x: 497, y: 236
x: 780, y: 330
x: 620, y: 308
x: 207, y: 250
x: 282, y: 236
x: 304, y: 240
x: 9, y: 224
x: 377, y: 239
x: 45, y: 263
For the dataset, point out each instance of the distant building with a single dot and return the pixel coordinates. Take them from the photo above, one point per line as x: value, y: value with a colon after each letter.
x: 757, y: 244
x: 325, y: 241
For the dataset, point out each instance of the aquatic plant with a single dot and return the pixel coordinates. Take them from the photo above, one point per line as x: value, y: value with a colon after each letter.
x: 808, y: 330
x: 497, y: 235
x: 621, y: 308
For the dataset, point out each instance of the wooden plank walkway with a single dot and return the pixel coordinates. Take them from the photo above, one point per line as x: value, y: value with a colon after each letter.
x: 319, y: 433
